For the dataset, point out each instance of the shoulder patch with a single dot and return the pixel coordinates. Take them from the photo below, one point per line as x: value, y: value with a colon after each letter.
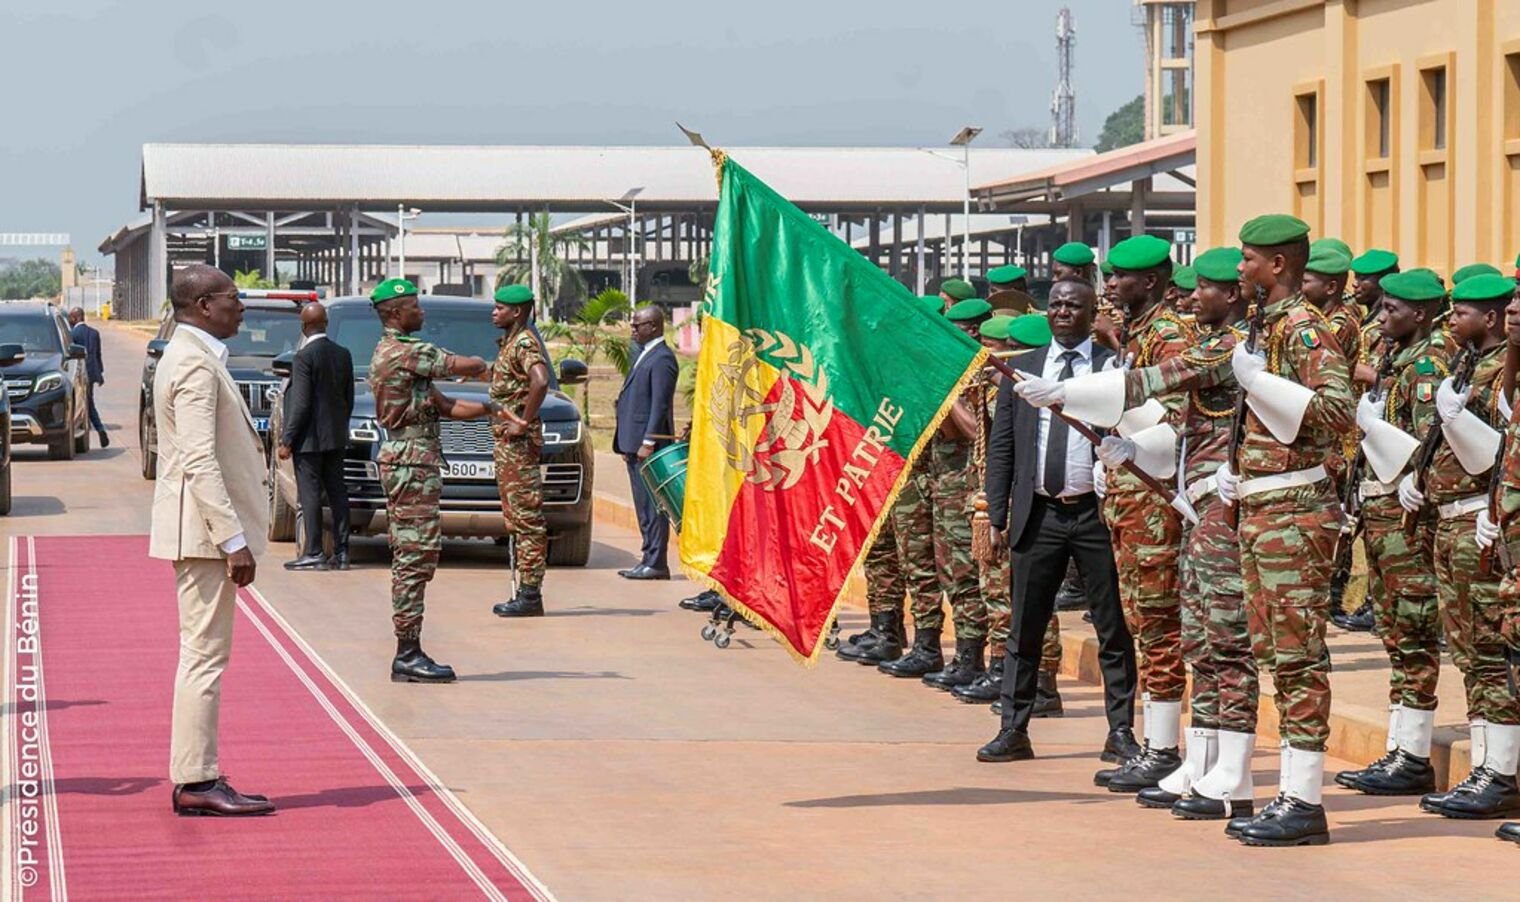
x: 1424, y: 392
x: 1309, y: 337
x: 409, y: 339
x: 1425, y: 367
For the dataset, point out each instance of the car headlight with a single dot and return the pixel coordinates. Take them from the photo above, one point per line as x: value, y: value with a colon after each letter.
x: 48, y: 382
x: 562, y: 432
x: 364, y: 430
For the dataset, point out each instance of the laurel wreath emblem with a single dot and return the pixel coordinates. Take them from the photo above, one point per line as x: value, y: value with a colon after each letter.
x: 794, y: 423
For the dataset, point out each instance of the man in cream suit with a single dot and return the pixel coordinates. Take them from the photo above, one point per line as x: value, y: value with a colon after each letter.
x: 210, y: 517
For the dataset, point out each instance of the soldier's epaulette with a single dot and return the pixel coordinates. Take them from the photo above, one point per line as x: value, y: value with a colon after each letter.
x: 1427, y: 365
x: 409, y: 339
x: 1168, y: 327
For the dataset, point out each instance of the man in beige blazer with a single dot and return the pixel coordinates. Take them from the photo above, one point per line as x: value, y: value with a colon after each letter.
x: 210, y: 517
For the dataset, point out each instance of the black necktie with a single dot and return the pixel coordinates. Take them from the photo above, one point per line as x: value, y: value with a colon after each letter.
x: 1055, y: 444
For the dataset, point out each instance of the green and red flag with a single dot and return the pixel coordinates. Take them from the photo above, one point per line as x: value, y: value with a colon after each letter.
x: 819, y: 381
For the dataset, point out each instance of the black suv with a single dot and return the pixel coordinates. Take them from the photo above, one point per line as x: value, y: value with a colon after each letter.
x: 47, y: 389
x: 471, y: 504
x: 271, y: 327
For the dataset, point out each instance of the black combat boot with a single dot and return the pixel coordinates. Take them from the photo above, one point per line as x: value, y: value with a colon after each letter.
x: 1338, y: 612
x: 964, y: 668
x: 1348, y: 778
x: 925, y: 657
x: 859, y: 644
x: 412, y: 665
x: 1509, y: 831
x: 1047, y: 698
x: 1491, y: 795
x: 1120, y: 746
x: 528, y: 602
x: 1144, y: 771
x: 1358, y: 621
x: 889, y: 645
x: 1398, y: 774
x: 1432, y: 801
x: 1286, y: 821
x: 986, y: 687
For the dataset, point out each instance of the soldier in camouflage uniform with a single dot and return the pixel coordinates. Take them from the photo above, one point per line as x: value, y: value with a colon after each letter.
x: 1473, y: 601
x: 899, y: 562
x: 951, y: 492
x: 519, y: 381
x: 408, y: 407
x: 1401, y: 577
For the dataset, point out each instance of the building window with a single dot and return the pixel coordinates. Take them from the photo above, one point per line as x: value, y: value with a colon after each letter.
x: 1306, y: 143
x: 1512, y: 97
x: 1380, y: 115
x: 1433, y: 109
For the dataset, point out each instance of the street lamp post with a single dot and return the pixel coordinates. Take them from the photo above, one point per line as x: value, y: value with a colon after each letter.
x: 402, y: 215
x: 630, y: 250
x: 963, y: 139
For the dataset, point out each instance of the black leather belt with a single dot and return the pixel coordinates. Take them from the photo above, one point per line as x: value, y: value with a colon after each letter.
x: 1070, y: 500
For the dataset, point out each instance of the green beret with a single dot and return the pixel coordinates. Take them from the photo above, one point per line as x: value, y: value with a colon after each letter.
x: 996, y: 328
x: 933, y: 303
x: 1106, y: 268
x: 1185, y: 277
x: 969, y: 309
x: 1432, y: 273
x: 391, y: 289
x: 1484, y: 288
x: 1004, y: 275
x: 1328, y: 260
x: 1415, y: 286
x: 1473, y: 269
x: 514, y: 294
x: 1336, y: 243
x: 1219, y: 264
x: 1273, y: 229
x: 1073, y: 253
x: 1140, y: 252
x: 1374, y: 261
x: 1031, y: 329
x: 959, y: 289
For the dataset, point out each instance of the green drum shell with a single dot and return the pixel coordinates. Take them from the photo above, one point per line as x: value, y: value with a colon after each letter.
x: 664, y: 474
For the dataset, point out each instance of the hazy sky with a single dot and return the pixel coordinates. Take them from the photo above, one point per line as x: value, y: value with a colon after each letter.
x: 89, y: 82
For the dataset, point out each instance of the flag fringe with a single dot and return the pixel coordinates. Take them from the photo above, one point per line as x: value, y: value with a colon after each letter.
x: 754, y: 619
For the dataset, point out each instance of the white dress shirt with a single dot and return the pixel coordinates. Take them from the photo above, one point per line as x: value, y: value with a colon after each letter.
x: 308, y: 339
x: 218, y: 349
x: 1079, y: 451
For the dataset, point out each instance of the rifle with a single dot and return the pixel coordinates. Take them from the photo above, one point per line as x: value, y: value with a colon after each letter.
x: 1238, y: 430
x: 1461, y: 375
x: 1496, y: 485
x: 1351, y: 496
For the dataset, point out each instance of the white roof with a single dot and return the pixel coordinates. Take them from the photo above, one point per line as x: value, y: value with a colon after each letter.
x: 477, y: 245
x: 566, y: 179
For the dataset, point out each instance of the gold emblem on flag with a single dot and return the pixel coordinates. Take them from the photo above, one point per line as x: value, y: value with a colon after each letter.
x: 793, y: 424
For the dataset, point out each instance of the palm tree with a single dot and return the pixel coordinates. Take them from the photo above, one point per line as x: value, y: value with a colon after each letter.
x: 586, y: 335
x: 252, y: 278
x: 556, y: 276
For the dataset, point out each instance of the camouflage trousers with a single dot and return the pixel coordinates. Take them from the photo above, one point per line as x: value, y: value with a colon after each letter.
x: 522, y: 504
x: 1287, y: 542
x: 901, y: 560
x: 996, y: 581
x: 951, y: 491
x: 1216, y: 637
x: 411, y: 509
x: 1147, y: 539
x: 1401, y: 581
x: 1472, y: 609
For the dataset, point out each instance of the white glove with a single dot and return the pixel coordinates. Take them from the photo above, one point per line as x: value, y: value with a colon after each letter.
x: 1449, y: 402
x: 1410, y: 498
x: 1114, y: 451
x: 1368, y: 412
x: 1227, y: 483
x: 1039, y: 391
x: 1100, y: 480
x: 1488, y: 530
x: 1247, y: 365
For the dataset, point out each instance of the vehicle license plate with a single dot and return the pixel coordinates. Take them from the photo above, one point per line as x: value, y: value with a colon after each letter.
x: 469, y: 469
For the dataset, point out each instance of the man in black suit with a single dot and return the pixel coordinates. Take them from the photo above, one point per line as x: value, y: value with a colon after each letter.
x: 1042, y: 498
x: 645, y: 423
x: 318, y: 403
x: 88, y: 338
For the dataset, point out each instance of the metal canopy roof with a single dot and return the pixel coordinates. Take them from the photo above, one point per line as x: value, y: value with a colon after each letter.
x: 470, y: 179
x: 1075, y: 178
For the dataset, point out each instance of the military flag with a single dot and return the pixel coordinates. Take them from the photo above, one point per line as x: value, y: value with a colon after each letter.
x: 819, y: 380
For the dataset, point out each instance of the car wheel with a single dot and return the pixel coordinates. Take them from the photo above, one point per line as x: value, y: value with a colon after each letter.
x: 82, y: 440
x: 282, y: 516
x: 5, y: 490
x: 149, y: 459
x: 571, y: 548
x: 62, y: 448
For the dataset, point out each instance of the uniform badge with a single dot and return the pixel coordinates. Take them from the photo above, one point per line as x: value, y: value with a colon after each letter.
x: 1309, y: 337
x: 1425, y: 366
x: 1424, y: 392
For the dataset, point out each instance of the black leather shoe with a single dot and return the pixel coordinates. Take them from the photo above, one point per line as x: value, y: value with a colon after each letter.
x: 307, y: 562
x: 1287, y: 822
x: 1047, y: 698
x: 105, y: 440
x: 1008, y: 745
x: 1120, y: 746
x: 643, y: 572
x: 1492, y: 795
x: 985, y: 688
x: 1072, y: 596
x: 1194, y: 807
x: 1358, y: 621
x: 925, y: 658
x: 1156, y: 797
x: 412, y: 665
x: 997, y: 708
x: 1145, y: 770
x: 1401, y: 774
x: 1432, y: 801
x: 705, y: 602
x: 1509, y: 832
x: 1237, y: 824
x: 1101, y: 778
x: 528, y: 602
x: 963, y: 669
x: 339, y: 560
x: 1348, y: 778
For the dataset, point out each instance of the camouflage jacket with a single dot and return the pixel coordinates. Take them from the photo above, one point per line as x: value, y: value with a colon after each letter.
x: 1158, y: 335
x: 1210, y: 411
x: 401, y: 375
x: 1346, y: 322
x: 1446, y: 479
x: 518, y: 356
x: 1409, y: 399
x: 1299, y: 347
x: 1509, y: 493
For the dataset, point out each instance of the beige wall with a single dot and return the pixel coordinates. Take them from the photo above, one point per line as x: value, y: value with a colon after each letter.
x: 1442, y: 208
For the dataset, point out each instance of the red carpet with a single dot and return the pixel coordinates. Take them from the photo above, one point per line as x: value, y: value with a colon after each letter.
x: 357, y: 815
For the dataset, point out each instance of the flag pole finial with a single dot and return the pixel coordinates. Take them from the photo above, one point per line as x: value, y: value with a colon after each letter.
x: 718, y: 156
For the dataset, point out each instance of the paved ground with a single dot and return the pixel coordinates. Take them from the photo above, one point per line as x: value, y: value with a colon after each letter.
x: 619, y: 756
